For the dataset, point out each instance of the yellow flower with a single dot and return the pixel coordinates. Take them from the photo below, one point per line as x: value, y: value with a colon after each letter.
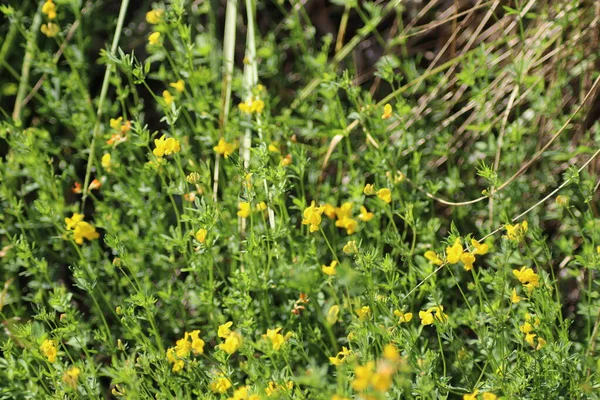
x: 48, y: 349
x: 178, y: 363
x: 245, y: 209
x: 276, y: 338
x: 49, y: 8
x: 369, y: 189
x: 514, y: 297
x: 164, y: 147
x: 516, y: 232
x: 489, y: 396
x: 527, y: 277
x: 390, y: 353
x: 179, y: 86
x: 350, y: 247
x: 332, y: 314
x: 347, y: 223
x: 154, y: 16
x: 201, y: 235
x: 340, y: 357
x: 329, y: 210
x: 362, y: 376
x: 365, y: 215
x: 385, y: 194
x: 480, y: 249
x: 426, y: 317
x: 471, y: 396
x: 115, y: 123
x: 404, y: 317
x: 262, y: 206
x: 529, y: 338
x: 433, y: 257
x: 363, y: 312
x: 197, y: 343
x: 541, y: 343
x: 526, y: 328
x: 329, y: 270
x: 183, y: 346
x: 220, y: 385
x: 168, y: 98
x: 240, y: 394
x: 467, y: 259
x: 312, y: 216
x: 71, y: 376
x: 232, y: 343
x: 454, y: 252
x: 81, y: 229
x: 252, y: 106
x: 273, y: 147
x: 50, y: 29
x: 285, y: 161
x: 224, y: 330
x: 224, y: 148
x: 382, y: 379
x: 154, y: 39
x: 106, y: 164
x: 387, y: 111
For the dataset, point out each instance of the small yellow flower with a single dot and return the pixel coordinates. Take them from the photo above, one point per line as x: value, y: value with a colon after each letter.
x: 454, y: 252
x: 433, y: 257
x: 330, y: 269
x: 193, y: 178
x: 514, y: 297
x: 179, y: 86
x: 252, y: 106
x: 154, y: 16
x: 480, y: 249
x: 71, y: 376
x: 516, y: 233
x: 273, y: 147
x: 365, y: 215
x: 154, y: 39
x: 245, y: 209
x: 220, y: 385
x: 529, y: 338
x: 347, y: 223
x: 285, y: 161
x: 363, y: 313
x: 541, y: 343
x: 390, y: 353
x: 387, y: 111
x: 340, y: 357
x: 385, y: 194
x: 369, y: 189
x: 178, y: 363
x: 403, y: 317
x: 48, y: 349
x: 183, y: 346
x: 168, y: 98
x: 426, y: 317
x: 165, y: 147
x: 50, y: 29
x: 471, y: 396
x: 106, y: 164
x: 350, y: 247
x: 224, y: 330
x: 115, y: 123
x: 232, y: 343
x: 329, y: 210
x: 312, y: 216
x: 467, y: 259
x: 201, y: 235
x: 262, y: 206
x: 362, y: 376
x: 489, y: 396
x: 526, y: 328
x: 276, y: 338
x: 224, y: 148
x: 332, y: 314
x: 81, y: 229
x: 49, y: 9
x: 527, y: 277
